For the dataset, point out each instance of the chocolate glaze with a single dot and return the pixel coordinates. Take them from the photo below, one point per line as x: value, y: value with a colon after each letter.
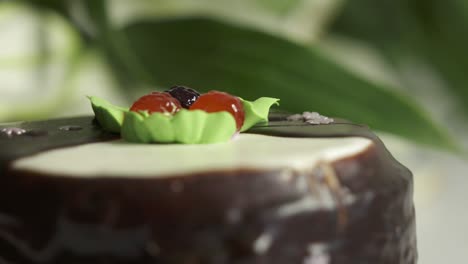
x: 234, y: 216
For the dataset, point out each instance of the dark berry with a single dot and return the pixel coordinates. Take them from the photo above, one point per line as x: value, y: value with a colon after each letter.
x: 157, y: 102
x: 186, y: 96
x: 215, y: 101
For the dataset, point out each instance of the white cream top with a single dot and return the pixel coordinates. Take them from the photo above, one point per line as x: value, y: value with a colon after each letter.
x: 247, y: 151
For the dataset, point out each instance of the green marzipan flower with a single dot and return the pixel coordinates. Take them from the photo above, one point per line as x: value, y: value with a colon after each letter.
x: 186, y: 126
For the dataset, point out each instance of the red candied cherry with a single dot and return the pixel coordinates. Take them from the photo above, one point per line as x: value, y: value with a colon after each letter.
x: 215, y: 101
x: 157, y: 102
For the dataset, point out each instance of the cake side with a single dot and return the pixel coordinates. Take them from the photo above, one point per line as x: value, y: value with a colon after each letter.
x: 353, y: 208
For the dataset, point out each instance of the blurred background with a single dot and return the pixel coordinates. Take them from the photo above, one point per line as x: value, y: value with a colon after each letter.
x: 400, y: 66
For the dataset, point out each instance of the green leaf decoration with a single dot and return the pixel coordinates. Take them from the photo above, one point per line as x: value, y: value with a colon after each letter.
x: 160, y: 128
x: 109, y: 116
x: 197, y: 127
x: 257, y: 111
x: 207, y: 54
x: 186, y: 127
x: 133, y: 130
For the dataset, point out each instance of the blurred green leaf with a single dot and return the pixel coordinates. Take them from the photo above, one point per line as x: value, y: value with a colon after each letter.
x: 209, y: 55
x: 299, y: 20
x: 38, y: 55
x: 279, y: 6
x: 56, y: 5
x: 433, y: 31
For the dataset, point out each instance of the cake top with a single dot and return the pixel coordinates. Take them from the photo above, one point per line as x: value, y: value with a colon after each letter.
x: 77, y: 146
x: 208, y: 126
x: 247, y: 152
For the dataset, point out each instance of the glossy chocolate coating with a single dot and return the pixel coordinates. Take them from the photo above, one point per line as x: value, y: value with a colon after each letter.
x: 220, y: 217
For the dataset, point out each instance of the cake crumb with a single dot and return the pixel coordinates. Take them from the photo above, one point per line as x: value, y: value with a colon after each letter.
x: 313, y: 118
x: 13, y: 131
x: 296, y: 117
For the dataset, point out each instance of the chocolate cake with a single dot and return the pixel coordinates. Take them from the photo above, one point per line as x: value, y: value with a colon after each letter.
x: 285, y: 192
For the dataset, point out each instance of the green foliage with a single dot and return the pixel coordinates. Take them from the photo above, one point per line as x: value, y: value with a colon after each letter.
x: 39, y: 52
x: 431, y: 30
x: 278, y: 6
x: 207, y: 54
x: 213, y: 54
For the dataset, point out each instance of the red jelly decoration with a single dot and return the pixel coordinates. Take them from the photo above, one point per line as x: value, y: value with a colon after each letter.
x: 157, y: 102
x: 215, y: 101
